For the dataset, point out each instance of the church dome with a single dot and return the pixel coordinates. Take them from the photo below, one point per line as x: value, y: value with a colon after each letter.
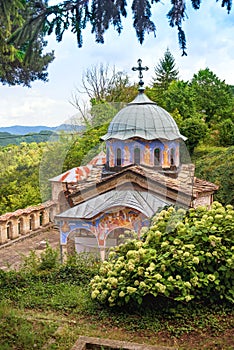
x: 143, y: 118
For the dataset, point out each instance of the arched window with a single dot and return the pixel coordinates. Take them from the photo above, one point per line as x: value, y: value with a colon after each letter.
x: 172, y: 156
x: 156, y: 156
x: 137, y: 155
x: 119, y: 157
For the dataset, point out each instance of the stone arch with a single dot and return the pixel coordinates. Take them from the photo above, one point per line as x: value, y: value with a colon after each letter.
x: 9, y: 230
x: 114, y: 238
x: 116, y: 232
x: 82, y: 240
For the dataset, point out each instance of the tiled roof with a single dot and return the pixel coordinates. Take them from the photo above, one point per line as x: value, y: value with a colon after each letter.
x: 29, y: 210
x: 83, y: 178
x: 100, y: 159
x: 74, y: 175
x: 81, y: 173
x: 185, y: 182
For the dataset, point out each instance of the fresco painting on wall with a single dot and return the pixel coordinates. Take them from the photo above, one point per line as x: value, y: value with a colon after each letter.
x: 101, y: 226
x: 145, y: 154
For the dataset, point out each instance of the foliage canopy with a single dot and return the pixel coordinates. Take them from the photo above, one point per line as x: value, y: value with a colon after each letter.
x: 21, y: 63
x: 24, y: 23
x: 182, y: 256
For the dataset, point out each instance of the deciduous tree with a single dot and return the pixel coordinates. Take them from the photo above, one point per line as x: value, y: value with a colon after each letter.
x: 107, y: 90
x: 212, y: 96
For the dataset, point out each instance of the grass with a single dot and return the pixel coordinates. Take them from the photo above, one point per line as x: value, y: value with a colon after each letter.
x: 52, y: 316
x: 50, y: 309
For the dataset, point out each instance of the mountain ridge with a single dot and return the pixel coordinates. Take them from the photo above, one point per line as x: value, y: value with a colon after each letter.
x: 24, y: 129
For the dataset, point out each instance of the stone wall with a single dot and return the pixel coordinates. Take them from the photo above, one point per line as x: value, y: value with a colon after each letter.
x: 24, y: 221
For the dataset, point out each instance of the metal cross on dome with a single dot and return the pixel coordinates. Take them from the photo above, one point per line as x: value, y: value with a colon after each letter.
x: 140, y: 69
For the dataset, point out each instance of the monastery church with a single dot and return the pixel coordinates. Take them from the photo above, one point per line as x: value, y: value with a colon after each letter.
x: 141, y: 171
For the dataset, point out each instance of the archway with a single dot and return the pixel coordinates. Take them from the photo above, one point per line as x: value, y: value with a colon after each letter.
x: 82, y: 241
x: 116, y: 237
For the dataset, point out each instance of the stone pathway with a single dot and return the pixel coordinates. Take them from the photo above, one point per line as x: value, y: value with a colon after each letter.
x: 11, y: 255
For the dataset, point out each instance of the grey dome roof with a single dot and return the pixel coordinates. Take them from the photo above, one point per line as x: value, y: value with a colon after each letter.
x: 145, y: 119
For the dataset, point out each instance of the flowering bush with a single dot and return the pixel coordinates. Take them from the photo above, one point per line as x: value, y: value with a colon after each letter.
x: 184, y: 255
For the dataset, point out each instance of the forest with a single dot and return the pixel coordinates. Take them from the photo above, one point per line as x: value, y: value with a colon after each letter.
x: 7, y: 138
x: 203, y: 109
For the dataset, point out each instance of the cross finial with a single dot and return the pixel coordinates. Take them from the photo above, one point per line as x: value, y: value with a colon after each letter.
x: 140, y: 76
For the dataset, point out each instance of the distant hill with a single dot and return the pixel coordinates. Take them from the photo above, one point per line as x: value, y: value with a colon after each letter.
x: 17, y: 134
x: 24, y: 130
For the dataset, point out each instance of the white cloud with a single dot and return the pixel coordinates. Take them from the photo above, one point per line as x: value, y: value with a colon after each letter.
x: 209, y: 33
x: 32, y: 107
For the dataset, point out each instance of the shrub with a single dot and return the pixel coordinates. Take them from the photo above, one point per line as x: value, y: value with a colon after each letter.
x: 226, y: 133
x: 217, y: 165
x: 79, y: 269
x: 182, y: 256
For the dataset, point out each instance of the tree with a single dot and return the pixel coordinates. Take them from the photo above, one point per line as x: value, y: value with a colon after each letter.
x: 165, y: 71
x: 102, y: 113
x: 195, y: 129
x: 213, y: 97
x: 107, y: 90
x: 179, y: 96
x: 216, y: 164
x: 102, y: 83
x: 20, y: 64
x: 76, y: 14
x: 226, y: 133
x: 19, y: 185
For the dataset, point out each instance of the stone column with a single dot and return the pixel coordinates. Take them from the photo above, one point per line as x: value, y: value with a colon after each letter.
x: 63, y: 253
x: 26, y: 224
x: 14, y: 232
x: 3, y: 233
x: 46, y: 216
x: 36, y: 220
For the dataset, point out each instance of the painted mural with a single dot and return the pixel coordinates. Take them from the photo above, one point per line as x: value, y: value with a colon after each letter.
x: 150, y: 153
x: 101, y: 226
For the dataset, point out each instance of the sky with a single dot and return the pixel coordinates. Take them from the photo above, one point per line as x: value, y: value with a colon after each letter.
x: 210, y: 43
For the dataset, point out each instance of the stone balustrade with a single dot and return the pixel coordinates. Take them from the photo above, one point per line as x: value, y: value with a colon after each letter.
x: 24, y: 221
